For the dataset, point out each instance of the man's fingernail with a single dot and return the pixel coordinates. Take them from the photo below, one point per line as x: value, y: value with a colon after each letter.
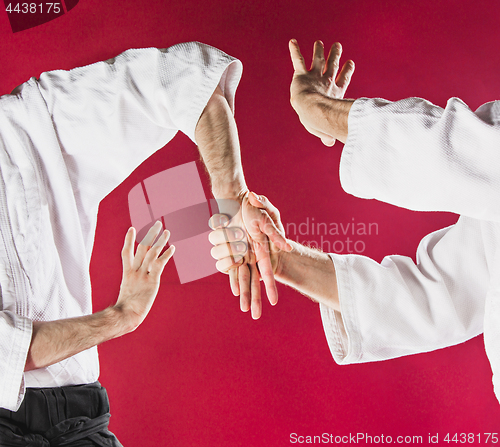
x: 257, y: 197
x: 241, y: 248
x: 218, y: 220
x: 238, y: 234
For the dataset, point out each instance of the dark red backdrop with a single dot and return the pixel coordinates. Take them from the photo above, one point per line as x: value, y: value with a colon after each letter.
x: 198, y: 372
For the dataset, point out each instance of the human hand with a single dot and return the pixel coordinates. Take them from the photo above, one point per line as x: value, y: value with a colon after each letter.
x: 247, y: 249
x: 141, y: 274
x: 311, y: 91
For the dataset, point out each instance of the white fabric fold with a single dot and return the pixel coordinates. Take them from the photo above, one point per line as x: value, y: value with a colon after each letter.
x: 416, y: 155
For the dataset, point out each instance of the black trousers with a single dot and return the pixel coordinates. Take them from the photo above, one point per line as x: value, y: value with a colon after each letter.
x: 76, y: 416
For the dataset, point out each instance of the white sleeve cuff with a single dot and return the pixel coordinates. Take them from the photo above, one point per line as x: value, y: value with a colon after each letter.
x: 340, y: 327
x: 15, y: 332
x: 206, y: 68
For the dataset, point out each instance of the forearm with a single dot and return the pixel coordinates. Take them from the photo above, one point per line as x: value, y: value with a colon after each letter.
x: 217, y: 138
x: 329, y: 115
x: 311, y: 272
x: 54, y: 341
x: 335, y: 116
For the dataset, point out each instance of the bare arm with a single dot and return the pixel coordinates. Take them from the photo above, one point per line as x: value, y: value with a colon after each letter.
x: 316, y: 96
x: 53, y: 341
x: 217, y: 138
x: 310, y: 272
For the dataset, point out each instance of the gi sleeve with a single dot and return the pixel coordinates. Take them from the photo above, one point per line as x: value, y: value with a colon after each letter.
x: 110, y: 116
x: 416, y: 155
x: 397, y: 307
x: 15, y: 333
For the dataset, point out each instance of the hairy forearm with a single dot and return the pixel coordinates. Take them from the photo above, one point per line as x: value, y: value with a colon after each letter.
x: 217, y: 138
x: 329, y: 115
x: 336, y: 114
x: 54, y: 341
x: 311, y: 272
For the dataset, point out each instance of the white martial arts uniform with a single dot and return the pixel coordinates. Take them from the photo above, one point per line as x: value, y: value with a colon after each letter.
x: 422, y: 157
x: 66, y: 141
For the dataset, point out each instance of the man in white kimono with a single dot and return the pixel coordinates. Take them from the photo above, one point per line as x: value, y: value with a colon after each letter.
x: 416, y: 155
x: 66, y: 141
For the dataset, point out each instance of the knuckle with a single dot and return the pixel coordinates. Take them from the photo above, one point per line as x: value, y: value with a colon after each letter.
x: 238, y: 235
x: 241, y: 247
x: 237, y: 261
x: 255, y: 299
x: 243, y: 275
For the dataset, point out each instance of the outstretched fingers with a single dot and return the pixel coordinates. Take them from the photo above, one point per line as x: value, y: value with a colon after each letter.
x: 128, y: 249
x: 318, y: 60
x: 145, y: 244
x: 266, y: 272
x: 154, y: 263
x: 298, y: 62
x: 244, y: 287
x: 161, y: 262
x: 345, y: 75
x: 233, y: 281
x: 333, y: 61
x: 256, y: 301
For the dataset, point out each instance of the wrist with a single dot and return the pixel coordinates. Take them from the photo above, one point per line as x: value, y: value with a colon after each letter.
x: 282, y: 258
x: 122, y: 321
x: 339, y: 117
x: 236, y: 190
x: 326, y: 114
x: 229, y: 201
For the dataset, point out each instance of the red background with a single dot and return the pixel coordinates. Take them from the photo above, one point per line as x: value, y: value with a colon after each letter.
x: 198, y: 372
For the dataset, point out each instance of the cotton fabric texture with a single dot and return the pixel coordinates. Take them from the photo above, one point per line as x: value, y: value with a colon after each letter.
x: 416, y: 155
x: 75, y: 416
x: 66, y: 141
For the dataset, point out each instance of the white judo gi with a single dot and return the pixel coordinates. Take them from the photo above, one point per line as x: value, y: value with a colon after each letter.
x: 416, y: 155
x: 66, y: 141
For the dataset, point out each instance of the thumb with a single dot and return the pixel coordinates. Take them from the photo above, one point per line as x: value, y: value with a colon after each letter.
x: 257, y: 201
x: 328, y: 141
